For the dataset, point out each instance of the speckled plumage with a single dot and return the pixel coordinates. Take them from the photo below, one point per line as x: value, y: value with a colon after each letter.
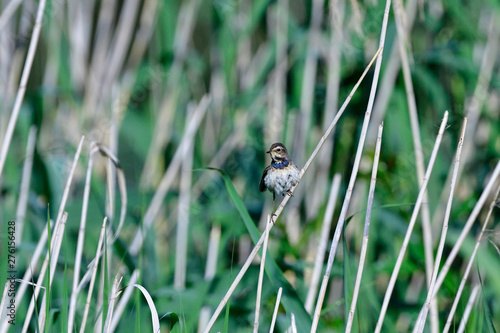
x: 282, y: 174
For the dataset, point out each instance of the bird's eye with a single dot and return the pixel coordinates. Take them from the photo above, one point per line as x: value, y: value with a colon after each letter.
x: 278, y: 149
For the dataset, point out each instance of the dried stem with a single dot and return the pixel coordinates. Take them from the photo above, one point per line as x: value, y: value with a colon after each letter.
x: 22, y: 85
x: 261, y: 276
x: 439, y: 253
x: 366, y: 231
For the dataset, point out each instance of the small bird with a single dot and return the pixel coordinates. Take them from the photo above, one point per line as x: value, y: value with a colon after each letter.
x: 281, y: 175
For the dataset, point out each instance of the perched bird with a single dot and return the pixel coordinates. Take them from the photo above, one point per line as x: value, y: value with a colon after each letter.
x: 281, y: 175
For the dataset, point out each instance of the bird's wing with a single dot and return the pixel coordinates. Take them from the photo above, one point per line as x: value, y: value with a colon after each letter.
x: 262, y: 186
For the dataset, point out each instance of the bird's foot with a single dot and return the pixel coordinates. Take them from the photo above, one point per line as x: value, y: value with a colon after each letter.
x: 289, y: 192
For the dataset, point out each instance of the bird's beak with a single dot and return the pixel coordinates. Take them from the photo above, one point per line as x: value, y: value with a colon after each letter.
x: 268, y: 152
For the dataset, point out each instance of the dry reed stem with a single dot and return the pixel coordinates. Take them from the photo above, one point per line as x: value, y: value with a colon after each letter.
x: 122, y: 303
x: 7, y: 12
x: 468, y: 308
x: 261, y: 276
x: 323, y: 242
x: 275, y: 312
x: 406, y: 241
x: 470, y: 221
x: 112, y: 299
x: 470, y: 263
x: 210, y: 270
x: 352, y: 180
x: 169, y: 175
x: 285, y: 200
x: 81, y: 238
x: 22, y: 85
x: 181, y: 245
x: 42, y: 316
x: 22, y: 203
x: 4, y: 299
x: 119, y: 45
x: 439, y: 252
x: 366, y: 231
x: 120, y: 175
x: 93, y: 269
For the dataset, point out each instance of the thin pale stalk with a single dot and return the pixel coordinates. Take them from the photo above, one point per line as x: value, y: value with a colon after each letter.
x: 352, y: 180
x: 8, y: 11
x: 181, y: 253
x: 439, y: 253
x: 323, y: 242
x: 406, y: 241
x: 4, y: 298
x: 53, y: 264
x: 470, y: 263
x: 285, y: 201
x: 22, y: 85
x: 261, y: 276
x: 275, y: 312
x: 468, y: 308
x: 122, y: 303
x: 468, y: 225
x: 95, y: 264
x: 22, y: 203
x: 213, y: 247
x: 113, y: 295
x: 366, y: 231
x: 81, y: 238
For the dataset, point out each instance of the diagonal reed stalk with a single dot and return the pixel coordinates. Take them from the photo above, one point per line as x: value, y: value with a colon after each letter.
x: 279, y: 210
x: 406, y: 241
x: 275, y: 312
x: 468, y: 308
x: 54, y: 255
x: 93, y: 268
x: 352, y: 180
x: 81, y: 237
x: 22, y: 85
x: 366, y: 231
x: 421, y: 323
x: 261, y: 276
x: 469, y: 265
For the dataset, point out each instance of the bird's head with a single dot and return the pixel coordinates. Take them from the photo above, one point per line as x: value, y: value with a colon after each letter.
x: 278, y: 152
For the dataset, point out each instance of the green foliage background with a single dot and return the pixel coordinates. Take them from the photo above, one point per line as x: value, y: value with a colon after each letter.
x: 230, y: 54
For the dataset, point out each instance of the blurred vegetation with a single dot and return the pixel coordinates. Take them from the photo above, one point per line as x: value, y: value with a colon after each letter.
x: 130, y: 75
